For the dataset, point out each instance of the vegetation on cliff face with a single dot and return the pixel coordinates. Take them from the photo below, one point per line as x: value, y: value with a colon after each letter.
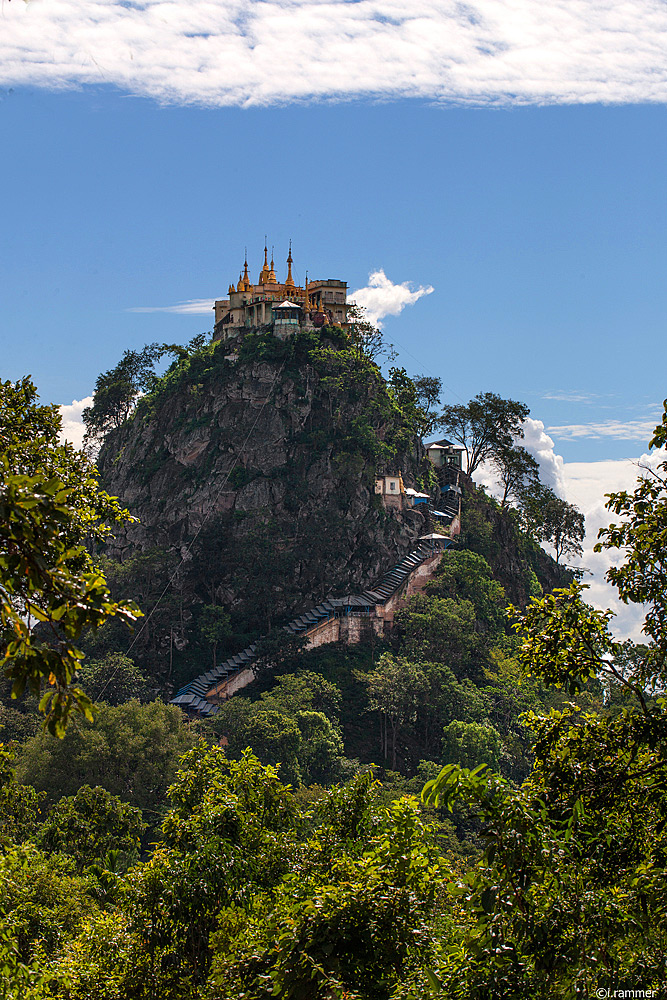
x: 252, y: 479
x: 251, y: 476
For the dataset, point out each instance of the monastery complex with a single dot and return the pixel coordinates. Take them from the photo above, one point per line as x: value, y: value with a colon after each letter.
x: 283, y: 307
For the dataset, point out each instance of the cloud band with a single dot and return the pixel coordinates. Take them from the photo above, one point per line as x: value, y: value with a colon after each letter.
x: 262, y: 52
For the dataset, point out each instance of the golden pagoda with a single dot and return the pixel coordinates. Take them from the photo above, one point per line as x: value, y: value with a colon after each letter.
x: 283, y: 307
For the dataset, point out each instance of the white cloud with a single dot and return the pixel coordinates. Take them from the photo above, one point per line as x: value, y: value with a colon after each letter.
x: 260, y: 52
x: 618, y: 430
x: 565, y: 396
x: 586, y: 484
x: 541, y: 447
x: 381, y: 297
x: 191, y: 307
x: 73, y: 426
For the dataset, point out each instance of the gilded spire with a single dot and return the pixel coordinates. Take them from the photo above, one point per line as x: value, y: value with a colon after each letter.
x: 272, y: 273
x: 290, y: 280
x: 246, y: 277
x: 264, y: 273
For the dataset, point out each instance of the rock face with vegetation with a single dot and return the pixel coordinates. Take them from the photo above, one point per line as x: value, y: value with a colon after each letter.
x: 256, y: 474
x: 517, y: 561
x: 251, y: 480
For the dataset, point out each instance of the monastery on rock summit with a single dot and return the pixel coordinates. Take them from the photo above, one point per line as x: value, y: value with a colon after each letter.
x: 283, y: 307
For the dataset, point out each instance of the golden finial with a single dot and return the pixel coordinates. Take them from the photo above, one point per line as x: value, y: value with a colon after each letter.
x: 272, y: 273
x: 290, y: 280
x: 264, y: 273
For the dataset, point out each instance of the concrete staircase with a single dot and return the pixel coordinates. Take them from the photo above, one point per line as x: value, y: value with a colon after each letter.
x: 195, y: 697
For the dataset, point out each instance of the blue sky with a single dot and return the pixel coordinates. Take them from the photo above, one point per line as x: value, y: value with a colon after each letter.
x: 540, y: 230
x: 498, y: 167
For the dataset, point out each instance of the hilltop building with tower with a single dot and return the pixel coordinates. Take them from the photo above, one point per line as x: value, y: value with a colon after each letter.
x: 281, y: 306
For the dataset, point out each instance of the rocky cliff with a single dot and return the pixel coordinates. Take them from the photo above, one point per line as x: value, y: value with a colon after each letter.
x: 252, y: 477
x: 519, y: 563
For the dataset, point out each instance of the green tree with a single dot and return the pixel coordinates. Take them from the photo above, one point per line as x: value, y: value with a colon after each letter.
x: 19, y: 804
x: 414, y: 398
x: 321, y: 750
x: 518, y: 472
x: 447, y: 699
x: 132, y: 750
x: 553, y: 520
x: 88, y: 825
x: 429, y: 389
x: 348, y: 923
x: 305, y: 691
x: 50, y: 589
x: 294, y: 725
x: 640, y: 577
x: 275, y: 738
x: 117, y: 390
x: 569, y: 897
x: 471, y: 743
x: 467, y: 576
x: 487, y: 426
x: 227, y: 838
x: 42, y: 900
x: 114, y: 679
x: 395, y: 689
x: 17, y: 726
x: 443, y: 630
x: 214, y: 625
x: 366, y: 340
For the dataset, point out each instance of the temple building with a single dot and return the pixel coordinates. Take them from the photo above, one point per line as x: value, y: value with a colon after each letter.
x: 283, y: 307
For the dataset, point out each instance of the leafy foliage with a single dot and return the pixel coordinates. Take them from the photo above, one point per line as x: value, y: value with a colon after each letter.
x: 395, y: 688
x: 487, y: 426
x: 214, y: 625
x: 415, y: 397
x: 114, y: 679
x: 552, y: 519
x: 518, y: 472
x: 132, y: 750
x: 19, y: 804
x: 117, y: 390
x: 88, y: 825
x: 296, y: 723
x: 569, y: 897
x: 50, y: 505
